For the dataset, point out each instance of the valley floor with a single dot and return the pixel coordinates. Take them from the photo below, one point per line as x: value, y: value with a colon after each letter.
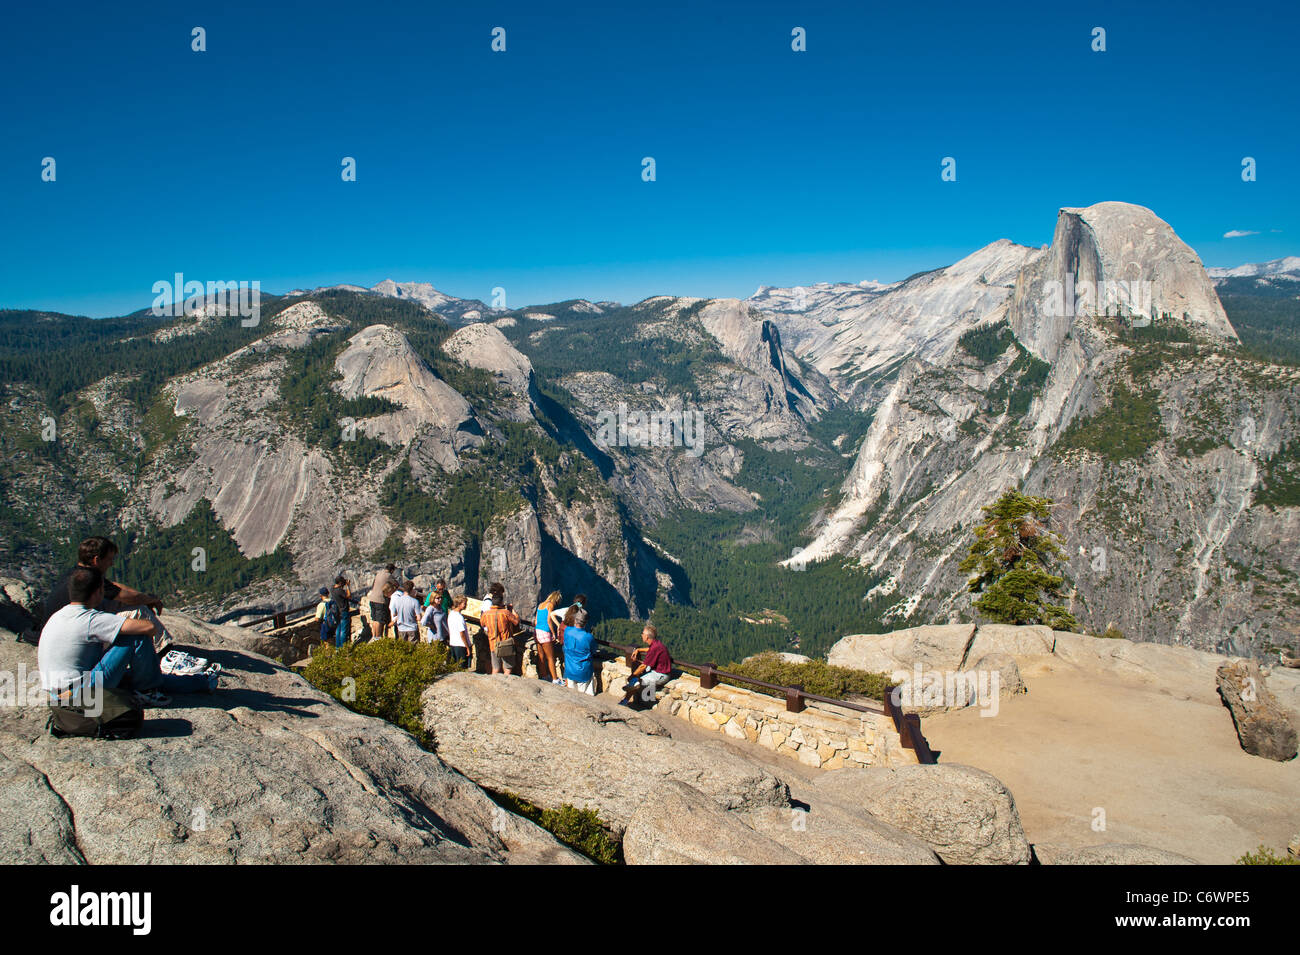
x: 1164, y: 766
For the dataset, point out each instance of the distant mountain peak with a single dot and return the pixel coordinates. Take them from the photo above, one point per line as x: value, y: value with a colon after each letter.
x: 1287, y: 265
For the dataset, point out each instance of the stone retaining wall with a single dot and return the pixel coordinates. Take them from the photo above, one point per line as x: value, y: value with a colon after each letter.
x: 822, y: 736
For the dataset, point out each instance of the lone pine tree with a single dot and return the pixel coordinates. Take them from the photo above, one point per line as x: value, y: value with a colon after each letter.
x: 1010, y: 563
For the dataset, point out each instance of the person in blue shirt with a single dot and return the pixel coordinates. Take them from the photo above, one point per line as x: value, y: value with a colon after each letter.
x: 579, y: 654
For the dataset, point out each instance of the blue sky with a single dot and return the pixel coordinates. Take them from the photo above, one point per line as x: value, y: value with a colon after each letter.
x: 522, y: 169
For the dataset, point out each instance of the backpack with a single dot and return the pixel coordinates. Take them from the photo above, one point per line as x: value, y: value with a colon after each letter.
x: 119, y: 719
x: 333, y: 614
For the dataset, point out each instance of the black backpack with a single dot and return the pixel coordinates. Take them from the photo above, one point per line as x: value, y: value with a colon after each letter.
x: 333, y: 614
x: 120, y: 718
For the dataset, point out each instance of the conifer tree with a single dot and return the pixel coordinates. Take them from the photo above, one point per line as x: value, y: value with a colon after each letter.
x: 1010, y: 563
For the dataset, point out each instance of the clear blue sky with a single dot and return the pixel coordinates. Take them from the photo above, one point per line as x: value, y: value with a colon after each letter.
x: 523, y: 169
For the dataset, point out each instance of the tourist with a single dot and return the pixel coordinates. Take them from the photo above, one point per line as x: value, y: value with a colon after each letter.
x: 546, y: 640
x: 579, y: 653
x: 339, y: 612
x: 100, y: 553
x: 404, y: 610
x: 380, y: 592
x: 499, y: 622
x: 322, y: 612
x: 458, y: 631
x: 566, y: 614
x: 83, y: 649
x: 437, y: 604
x: 652, y: 666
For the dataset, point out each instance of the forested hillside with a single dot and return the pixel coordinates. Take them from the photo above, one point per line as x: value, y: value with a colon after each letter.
x: 1266, y: 314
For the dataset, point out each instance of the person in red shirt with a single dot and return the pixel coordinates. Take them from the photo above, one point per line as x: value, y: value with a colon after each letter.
x: 652, y: 666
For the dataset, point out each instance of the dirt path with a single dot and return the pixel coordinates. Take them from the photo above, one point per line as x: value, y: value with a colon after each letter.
x: 1167, y: 770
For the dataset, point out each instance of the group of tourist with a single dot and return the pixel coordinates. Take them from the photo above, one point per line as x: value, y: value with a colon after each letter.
x: 566, y: 648
x: 399, y: 610
x: 97, y: 630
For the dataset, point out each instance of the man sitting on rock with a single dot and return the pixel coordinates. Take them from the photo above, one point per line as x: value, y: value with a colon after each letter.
x: 84, y: 649
x: 99, y: 553
x: 651, y: 672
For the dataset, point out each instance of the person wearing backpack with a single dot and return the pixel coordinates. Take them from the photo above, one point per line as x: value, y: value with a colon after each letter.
x: 337, y: 615
x: 83, y: 650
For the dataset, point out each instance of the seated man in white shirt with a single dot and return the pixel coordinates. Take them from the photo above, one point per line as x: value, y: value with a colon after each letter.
x: 83, y: 649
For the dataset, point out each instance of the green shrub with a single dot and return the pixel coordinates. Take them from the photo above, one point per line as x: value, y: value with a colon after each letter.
x: 1126, y: 428
x: 1111, y: 632
x: 579, y: 829
x: 387, y: 679
x: 1266, y: 856
x: 815, y: 676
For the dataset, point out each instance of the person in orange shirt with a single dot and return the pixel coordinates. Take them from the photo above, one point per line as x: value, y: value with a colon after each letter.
x: 499, y: 621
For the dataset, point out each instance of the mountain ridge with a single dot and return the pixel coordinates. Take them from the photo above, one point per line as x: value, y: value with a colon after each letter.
x: 866, y: 426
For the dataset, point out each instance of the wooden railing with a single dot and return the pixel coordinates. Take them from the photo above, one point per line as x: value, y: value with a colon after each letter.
x: 281, y: 618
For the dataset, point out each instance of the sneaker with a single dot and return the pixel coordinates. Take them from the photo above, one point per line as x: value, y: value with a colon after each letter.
x: 154, y: 698
x: 179, y: 663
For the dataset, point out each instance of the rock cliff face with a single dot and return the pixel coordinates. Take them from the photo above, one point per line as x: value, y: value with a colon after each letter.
x: 380, y: 363
x: 484, y: 347
x: 1100, y: 372
x: 1114, y: 257
x: 858, y: 336
x: 739, y: 384
x: 1159, y: 530
x: 235, y: 452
